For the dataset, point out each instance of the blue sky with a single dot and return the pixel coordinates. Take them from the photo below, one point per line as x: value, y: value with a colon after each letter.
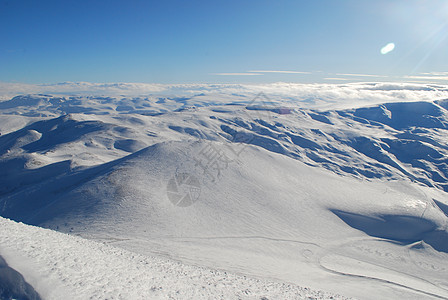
x: 223, y: 41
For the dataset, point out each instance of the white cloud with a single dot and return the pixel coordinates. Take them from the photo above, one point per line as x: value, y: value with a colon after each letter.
x: 319, y: 96
x: 335, y: 78
x: 236, y: 74
x: 282, y: 72
x: 9, y: 90
x: 428, y: 77
x: 435, y: 73
x: 360, y: 75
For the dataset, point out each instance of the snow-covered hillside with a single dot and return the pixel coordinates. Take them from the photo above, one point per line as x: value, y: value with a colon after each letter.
x: 352, y: 201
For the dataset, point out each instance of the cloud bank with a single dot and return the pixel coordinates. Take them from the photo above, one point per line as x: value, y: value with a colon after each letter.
x: 324, y: 96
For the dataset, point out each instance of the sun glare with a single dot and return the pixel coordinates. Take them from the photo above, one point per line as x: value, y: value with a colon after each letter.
x: 388, y: 48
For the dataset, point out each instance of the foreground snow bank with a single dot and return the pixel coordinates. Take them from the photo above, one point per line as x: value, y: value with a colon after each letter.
x: 61, y: 266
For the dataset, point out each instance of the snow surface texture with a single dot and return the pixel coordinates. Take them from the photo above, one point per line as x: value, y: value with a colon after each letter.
x: 66, y: 267
x: 352, y: 201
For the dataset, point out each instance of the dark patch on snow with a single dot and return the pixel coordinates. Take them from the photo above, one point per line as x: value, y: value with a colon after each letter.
x: 189, y: 131
x: 320, y: 117
x: 399, y: 228
x: 253, y: 139
x: 129, y: 145
x: 443, y: 207
x: 404, y: 115
x: 54, y: 132
x: 13, y: 285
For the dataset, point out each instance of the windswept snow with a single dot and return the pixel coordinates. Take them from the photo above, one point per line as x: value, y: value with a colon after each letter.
x: 352, y: 201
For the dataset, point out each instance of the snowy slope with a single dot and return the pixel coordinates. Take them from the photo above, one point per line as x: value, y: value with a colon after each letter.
x: 351, y: 201
x: 66, y: 267
x: 284, y: 224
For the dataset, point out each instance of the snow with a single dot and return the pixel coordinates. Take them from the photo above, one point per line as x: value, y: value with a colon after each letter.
x: 68, y: 267
x: 272, y: 189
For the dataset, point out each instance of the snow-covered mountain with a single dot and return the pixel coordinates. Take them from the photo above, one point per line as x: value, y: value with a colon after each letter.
x: 352, y: 201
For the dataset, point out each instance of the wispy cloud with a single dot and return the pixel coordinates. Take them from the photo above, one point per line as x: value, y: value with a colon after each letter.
x: 281, y: 72
x: 237, y: 74
x: 428, y: 77
x: 335, y: 78
x: 360, y: 75
x: 435, y: 73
